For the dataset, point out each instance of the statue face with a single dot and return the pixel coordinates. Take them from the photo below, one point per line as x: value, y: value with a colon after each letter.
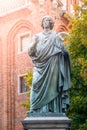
x: 46, y: 23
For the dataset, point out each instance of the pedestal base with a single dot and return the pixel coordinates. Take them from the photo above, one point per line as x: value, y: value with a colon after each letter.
x: 46, y: 123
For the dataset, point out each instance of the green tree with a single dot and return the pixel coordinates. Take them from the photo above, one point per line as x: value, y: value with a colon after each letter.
x: 77, y: 45
x: 28, y: 83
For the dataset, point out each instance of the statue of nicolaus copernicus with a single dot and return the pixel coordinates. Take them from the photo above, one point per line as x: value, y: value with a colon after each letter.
x: 51, y: 75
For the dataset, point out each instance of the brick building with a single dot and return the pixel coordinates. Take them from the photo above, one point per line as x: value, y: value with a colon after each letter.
x: 19, y: 20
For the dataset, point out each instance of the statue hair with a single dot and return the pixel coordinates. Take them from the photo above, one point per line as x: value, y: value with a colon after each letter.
x: 50, y: 21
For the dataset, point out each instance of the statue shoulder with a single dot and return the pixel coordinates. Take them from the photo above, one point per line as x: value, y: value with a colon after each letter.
x: 56, y: 34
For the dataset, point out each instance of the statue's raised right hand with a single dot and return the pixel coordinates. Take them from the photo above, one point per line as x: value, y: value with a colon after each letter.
x: 33, y: 44
x: 35, y: 39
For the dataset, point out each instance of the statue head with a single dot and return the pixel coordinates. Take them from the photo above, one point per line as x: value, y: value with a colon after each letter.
x: 50, y: 21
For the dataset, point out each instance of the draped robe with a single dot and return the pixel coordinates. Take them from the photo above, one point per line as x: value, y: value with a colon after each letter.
x: 51, y: 75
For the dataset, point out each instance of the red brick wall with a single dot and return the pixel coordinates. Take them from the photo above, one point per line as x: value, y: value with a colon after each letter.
x: 71, y: 2
x: 12, y: 64
x: 1, y: 87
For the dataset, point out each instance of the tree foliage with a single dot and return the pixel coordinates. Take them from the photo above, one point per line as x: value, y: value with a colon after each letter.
x: 78, y: 51
x: 28, y: 83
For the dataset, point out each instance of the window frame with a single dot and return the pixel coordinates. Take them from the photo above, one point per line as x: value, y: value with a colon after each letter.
x: 20, y: 36
x: 19, y: 84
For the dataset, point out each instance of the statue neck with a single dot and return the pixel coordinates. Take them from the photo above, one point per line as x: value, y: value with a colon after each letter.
x: 47, y: 31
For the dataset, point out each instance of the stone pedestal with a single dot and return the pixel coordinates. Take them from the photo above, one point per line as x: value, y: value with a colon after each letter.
x: 46, y: 123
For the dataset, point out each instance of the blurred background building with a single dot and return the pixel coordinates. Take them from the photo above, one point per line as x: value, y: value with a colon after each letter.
x: 19, y: 20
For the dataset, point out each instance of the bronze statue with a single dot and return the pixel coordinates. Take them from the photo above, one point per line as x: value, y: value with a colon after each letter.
x: 51, y: 75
